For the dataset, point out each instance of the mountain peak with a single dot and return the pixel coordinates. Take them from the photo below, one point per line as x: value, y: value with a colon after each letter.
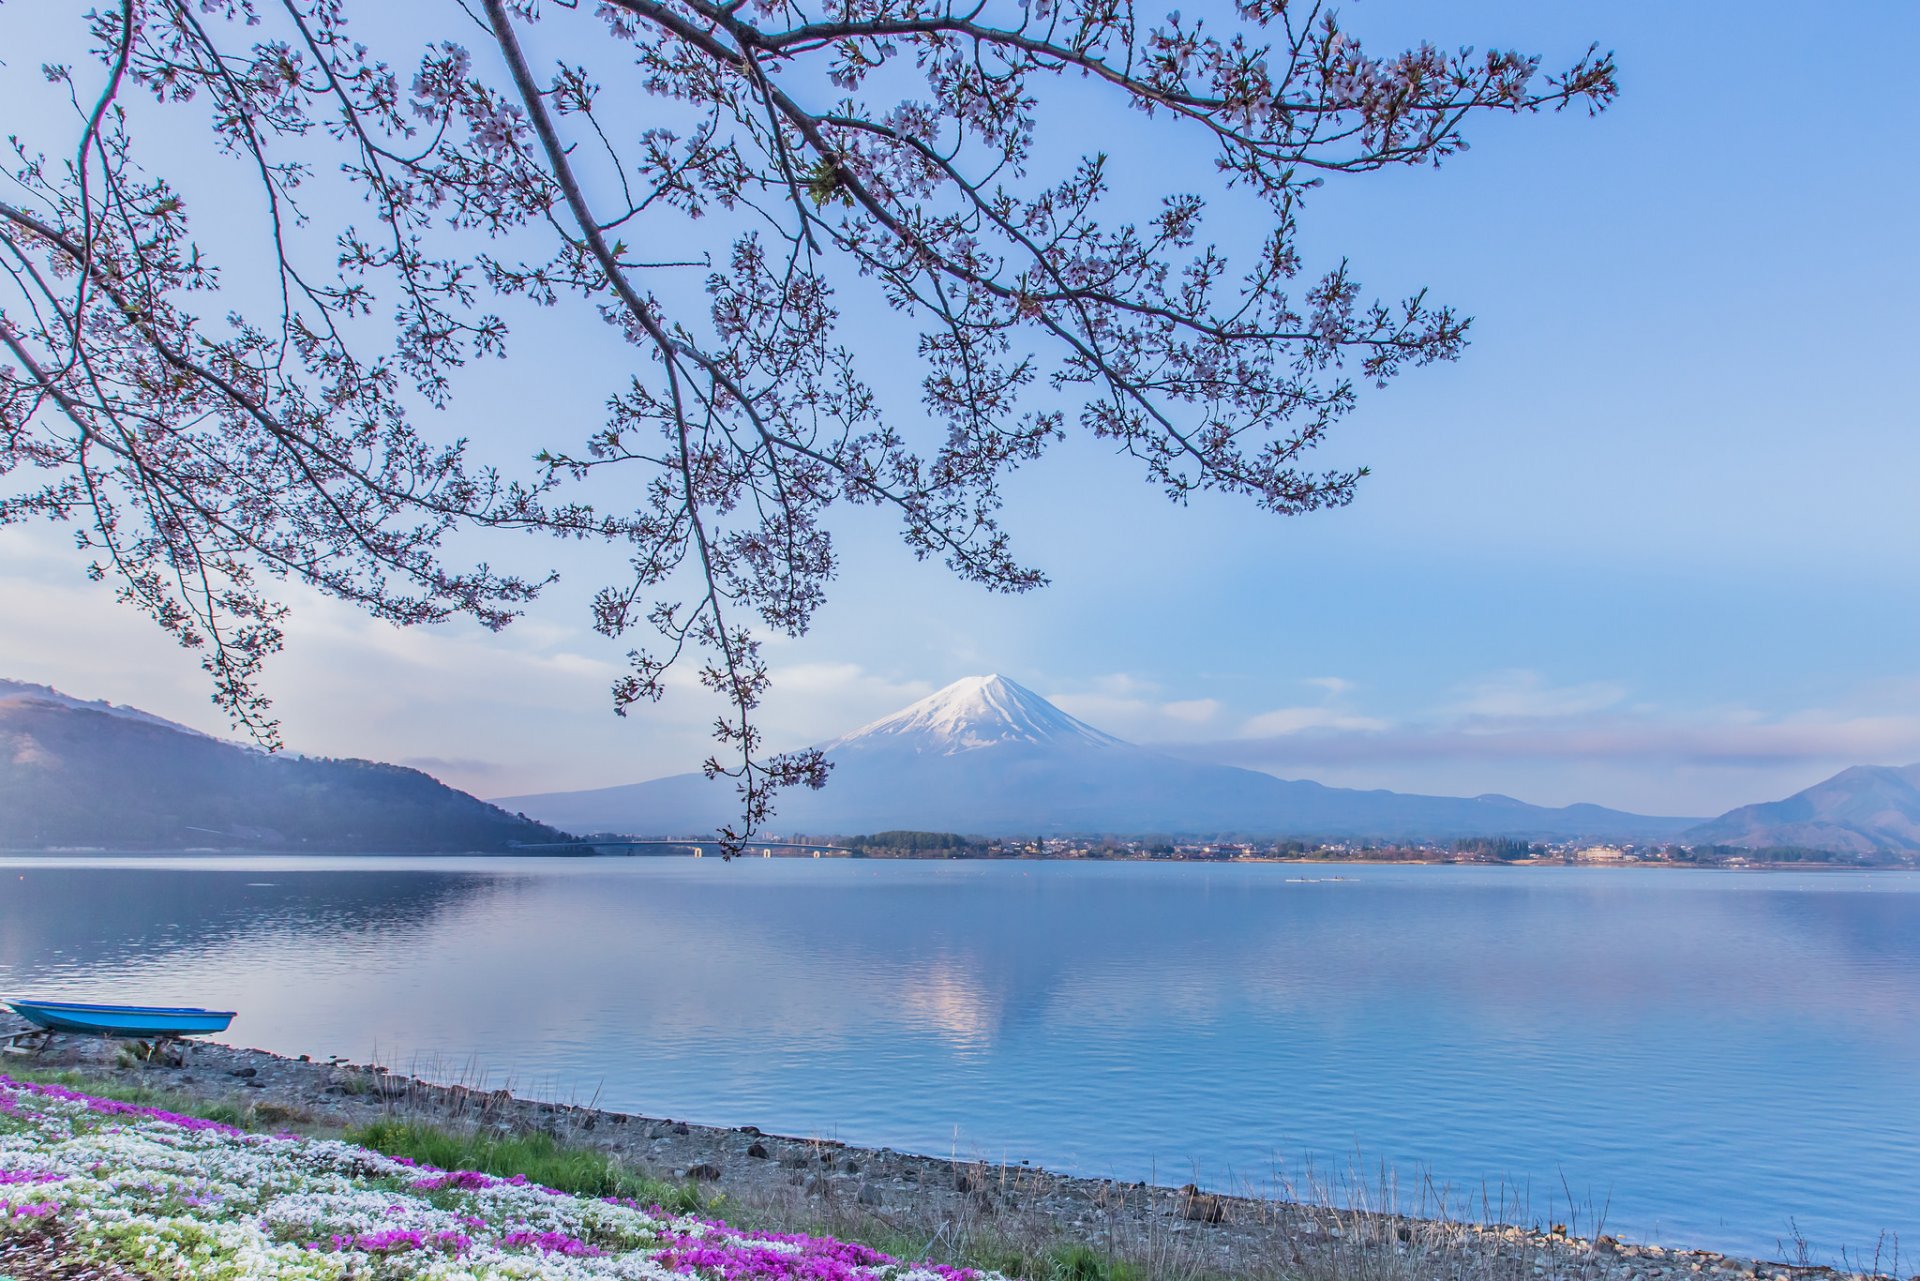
x: 1863, y: 809
x: 976, y: 712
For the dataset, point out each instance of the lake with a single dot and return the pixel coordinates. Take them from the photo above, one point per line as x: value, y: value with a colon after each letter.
x: 1691, y: 1057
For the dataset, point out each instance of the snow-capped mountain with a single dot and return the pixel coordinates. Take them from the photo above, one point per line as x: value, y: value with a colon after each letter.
x: 971, y: 713
x: 985, y: 756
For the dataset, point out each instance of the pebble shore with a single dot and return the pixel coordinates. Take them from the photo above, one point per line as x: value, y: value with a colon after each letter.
x: 1207, y: 1230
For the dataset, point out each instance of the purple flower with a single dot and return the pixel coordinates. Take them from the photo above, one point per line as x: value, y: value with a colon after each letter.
x: 553, y: 1243
x: 727, y: 1255
x: 460, y: 1179
x: 397, y: 1241
x: 391, y: 1241
x: 113, y: 1107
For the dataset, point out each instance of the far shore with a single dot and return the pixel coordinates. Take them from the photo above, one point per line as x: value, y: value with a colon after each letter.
x: 587, y: 850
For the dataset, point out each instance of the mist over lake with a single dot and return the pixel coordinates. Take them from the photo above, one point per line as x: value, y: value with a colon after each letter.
x: 1707, y: 1058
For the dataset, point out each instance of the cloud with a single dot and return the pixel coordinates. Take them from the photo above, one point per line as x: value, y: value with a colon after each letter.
x: 1647, y: 764
x: 811, y: 702
x: 1520, y: 694
x: 1193, y: 711
x: 1652, y: 742
x: 1519, y: 732
x: 1132, y: 707
x: 1332, y: 713
x: 1122, y: 685
x: 465, y: 766
x: 1284, y: 721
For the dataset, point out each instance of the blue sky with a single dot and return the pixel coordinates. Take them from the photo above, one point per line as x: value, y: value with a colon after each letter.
x: 1651, y: 543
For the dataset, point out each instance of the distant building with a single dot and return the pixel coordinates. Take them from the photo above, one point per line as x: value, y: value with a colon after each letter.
x: 1603, y: 854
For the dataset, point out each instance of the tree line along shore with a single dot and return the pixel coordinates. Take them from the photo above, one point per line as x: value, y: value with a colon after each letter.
x: 1494, y: 850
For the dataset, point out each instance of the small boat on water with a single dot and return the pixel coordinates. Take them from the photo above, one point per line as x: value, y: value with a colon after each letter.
x: 120, y: 1020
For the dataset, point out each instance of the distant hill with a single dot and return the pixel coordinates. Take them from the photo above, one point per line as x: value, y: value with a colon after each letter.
x: 987, y: 757
x: 76, y: 773
x: 1869, y: 809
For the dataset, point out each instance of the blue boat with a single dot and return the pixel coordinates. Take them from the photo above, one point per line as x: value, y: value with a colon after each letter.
x: 121, y: 1020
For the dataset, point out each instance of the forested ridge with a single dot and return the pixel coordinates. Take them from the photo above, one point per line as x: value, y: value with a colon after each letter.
x: 76, y: 776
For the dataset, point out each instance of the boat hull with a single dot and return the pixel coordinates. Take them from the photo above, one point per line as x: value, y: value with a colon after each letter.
x: 122, y: 1020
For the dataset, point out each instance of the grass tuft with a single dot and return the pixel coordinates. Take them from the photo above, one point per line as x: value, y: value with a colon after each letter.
x: 540, y: 1157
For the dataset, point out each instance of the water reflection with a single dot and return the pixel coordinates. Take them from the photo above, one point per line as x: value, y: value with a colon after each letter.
x: 66, y: 920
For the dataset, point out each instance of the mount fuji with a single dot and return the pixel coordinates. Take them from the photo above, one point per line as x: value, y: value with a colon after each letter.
x: 988, y: 757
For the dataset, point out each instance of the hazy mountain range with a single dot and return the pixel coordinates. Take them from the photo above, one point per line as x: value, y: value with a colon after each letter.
x: 76, y: 773
x: 987, y: 757
x: 983, y: 756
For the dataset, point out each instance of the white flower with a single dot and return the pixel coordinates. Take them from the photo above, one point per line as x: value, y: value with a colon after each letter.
x: 216, y: 1205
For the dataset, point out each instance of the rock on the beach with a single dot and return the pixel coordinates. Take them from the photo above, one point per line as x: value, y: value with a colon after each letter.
x: 1202, y: 1207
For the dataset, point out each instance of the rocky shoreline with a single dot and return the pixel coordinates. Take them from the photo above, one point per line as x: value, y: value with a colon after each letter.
x: 1164, y: 1231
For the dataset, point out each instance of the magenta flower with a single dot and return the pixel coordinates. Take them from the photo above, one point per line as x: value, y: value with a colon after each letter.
x: 398, y: 1241
x: 750, y: 1256
x: 553, y: 1243
x: 460, y: 1179
x: 113, y: 1107
x: 391, y: 1241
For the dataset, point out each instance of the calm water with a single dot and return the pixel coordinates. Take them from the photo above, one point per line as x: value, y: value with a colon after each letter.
x: 1708, y: 1057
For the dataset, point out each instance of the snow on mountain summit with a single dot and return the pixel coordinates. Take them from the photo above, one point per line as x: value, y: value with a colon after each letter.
x: 976, y: 712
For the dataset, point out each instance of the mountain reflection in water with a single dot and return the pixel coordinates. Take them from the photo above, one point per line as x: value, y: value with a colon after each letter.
x: 57, y: 913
